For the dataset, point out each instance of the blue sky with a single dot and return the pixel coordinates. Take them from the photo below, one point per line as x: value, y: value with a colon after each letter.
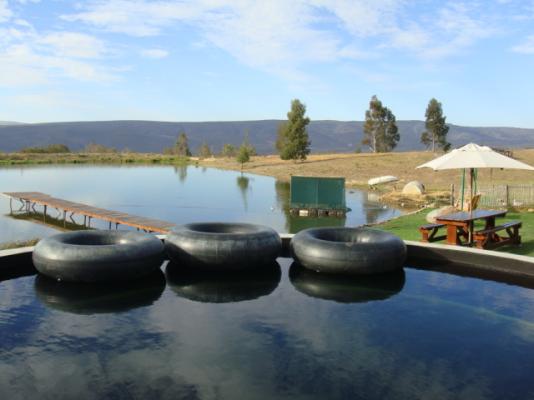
x: 210, y: 60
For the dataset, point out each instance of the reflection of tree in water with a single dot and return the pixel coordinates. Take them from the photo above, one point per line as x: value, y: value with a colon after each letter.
x: 242, y: 184
x: 181, y: 171
x: 295, y: 224
x: 374, y: 210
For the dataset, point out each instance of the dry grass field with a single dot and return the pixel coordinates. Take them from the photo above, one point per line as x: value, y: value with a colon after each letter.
x: 359, y: 168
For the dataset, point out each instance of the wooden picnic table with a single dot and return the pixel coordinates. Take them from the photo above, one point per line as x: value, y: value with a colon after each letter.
x: 460, y: 224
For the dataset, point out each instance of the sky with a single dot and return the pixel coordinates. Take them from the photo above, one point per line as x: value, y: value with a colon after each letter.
x: 227, y: 60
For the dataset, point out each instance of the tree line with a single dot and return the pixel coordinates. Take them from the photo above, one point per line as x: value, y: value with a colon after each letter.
x: 380, y: 135
x: 380, y: 130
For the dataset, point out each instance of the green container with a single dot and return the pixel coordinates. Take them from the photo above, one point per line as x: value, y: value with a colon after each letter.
x: 322, y: 193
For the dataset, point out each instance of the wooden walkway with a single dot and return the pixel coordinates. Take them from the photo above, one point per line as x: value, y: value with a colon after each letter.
x: 29, y: 200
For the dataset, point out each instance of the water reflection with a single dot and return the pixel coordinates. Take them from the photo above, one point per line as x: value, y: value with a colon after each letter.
x: 181, y: 171
x: 295, y: 223
x: 428, y: 342
x: 375, y: 211
x: 345, y: 289
x: 78, y: 298
x: 243, y: 185
x: 225, y: 286
x: 201, y: 195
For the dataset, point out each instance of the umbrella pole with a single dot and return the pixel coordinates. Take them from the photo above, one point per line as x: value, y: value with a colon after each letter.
x: 463, y: 190
x: 471, y: 172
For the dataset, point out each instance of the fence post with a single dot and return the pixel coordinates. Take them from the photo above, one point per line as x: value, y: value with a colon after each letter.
x: 452, y: 194
x: 506, y: 195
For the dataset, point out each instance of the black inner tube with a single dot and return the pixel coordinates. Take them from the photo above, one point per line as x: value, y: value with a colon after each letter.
x: 238, y: 229
x: 97, y: 238
x: 99, y: 298
x: 223, y: 286
x: 345, y: 289
x: 349, y: 235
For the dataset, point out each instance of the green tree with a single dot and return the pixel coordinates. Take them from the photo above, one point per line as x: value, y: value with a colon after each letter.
x: 436, y: 127
x: 292, y: 140
x: 280, y: 137
x: 243, y: 155
x: 182, y: 145
x: 251, y: 148
x: 204, y: 151
x: 380, y: 130
x: 228, y: 150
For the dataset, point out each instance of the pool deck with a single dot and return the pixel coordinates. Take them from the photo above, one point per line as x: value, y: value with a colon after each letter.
x: 29, y: 200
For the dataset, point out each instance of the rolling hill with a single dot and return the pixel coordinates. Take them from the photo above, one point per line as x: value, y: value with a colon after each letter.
x: 153, y: 136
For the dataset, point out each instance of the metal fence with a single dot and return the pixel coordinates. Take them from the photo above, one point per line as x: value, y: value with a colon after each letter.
x: 506, y: 195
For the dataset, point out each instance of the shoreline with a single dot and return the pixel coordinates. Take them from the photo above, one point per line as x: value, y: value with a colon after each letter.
x: 356, y: 168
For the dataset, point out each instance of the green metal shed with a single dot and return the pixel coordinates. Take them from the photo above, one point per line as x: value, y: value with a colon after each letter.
x: 308, y: 192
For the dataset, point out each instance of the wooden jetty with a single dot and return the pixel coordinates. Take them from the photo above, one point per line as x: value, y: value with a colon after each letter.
x: 29, y: 200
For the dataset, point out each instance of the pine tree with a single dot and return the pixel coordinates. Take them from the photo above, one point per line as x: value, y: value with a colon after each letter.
x: 436, y: 128
x: 181, y: 148
x: 204, y: 151
x: 251, y: 148
x: 293, y: 142
x: 243, y: 154
x: 228, y: 150
x: 380, y: 130
x: 280, y: 137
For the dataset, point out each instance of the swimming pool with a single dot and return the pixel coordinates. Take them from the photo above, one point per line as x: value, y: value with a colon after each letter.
x: 285, y: 333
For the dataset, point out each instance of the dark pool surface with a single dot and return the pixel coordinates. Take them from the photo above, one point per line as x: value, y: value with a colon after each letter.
x: 284, y: 333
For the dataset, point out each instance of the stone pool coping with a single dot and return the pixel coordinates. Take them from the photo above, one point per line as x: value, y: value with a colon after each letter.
x: 486, y: 264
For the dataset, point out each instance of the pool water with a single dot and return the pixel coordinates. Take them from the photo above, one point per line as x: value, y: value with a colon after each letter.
x: 283, y: 333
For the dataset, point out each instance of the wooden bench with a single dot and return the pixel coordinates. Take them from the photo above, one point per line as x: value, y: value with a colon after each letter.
x: 428, y: 232
x: 489, y: 239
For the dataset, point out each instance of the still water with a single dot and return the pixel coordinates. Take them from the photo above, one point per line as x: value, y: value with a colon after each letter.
x: 176, y: 194
x: 281, y: 334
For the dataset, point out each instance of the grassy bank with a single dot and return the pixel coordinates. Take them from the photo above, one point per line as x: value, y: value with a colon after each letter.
x: 407, y: 227
x: 90, y: 158
x: 359, y: 168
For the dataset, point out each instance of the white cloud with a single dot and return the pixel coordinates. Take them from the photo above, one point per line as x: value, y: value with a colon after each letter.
x: 266, y: 35
x: 136, y: 18
x: 527, y: 47
x: 28, y: 58
x: 282, y: 36
x: 5, y: 12
x: 73, y: 44
x: 154, y: 53
x: 459, y: 27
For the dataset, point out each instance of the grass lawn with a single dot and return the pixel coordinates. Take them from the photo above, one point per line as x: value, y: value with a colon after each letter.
x: 407, y: 228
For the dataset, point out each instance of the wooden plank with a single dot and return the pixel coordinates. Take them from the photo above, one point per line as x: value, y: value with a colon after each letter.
x: 117, y: 217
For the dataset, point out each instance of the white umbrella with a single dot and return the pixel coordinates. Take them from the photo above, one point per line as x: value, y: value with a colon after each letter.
x: 472, y: 156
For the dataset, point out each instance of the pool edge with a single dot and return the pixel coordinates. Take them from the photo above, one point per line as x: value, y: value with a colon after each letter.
x: 486, y: 264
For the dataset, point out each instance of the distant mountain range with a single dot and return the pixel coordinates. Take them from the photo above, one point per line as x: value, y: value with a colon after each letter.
x: 9, y: 123
x: 153, y: 136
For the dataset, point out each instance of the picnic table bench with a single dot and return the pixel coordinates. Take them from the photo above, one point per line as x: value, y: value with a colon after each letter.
x: 460, y: 229
x: 489, y: 238
x: 429, y: 231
